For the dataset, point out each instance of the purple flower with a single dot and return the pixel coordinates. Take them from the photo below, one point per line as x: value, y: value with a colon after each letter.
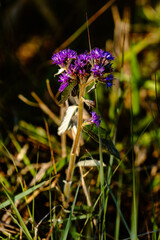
x: 64, y: 79
x: 95, y: 119
x: 63, y: 57
x: 101, y: 54
x: 81, y: 65
x: 108, y: 56
x: 82, y: 60
x: 97, y: 70
x: 97, y: 53
x: 72, y: 69
x: 101, y: 65
x: 109, y: 81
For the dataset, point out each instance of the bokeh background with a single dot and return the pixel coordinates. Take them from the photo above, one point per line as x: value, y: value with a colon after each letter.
x: 30, y: 32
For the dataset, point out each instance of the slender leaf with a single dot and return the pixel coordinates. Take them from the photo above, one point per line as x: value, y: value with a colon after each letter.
x: 24, y: 228
x: 107, y: 143
x: 21, y: 195
x: 65, y: 233
x: 135, y: 81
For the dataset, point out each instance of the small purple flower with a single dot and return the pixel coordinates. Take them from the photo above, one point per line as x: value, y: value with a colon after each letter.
x: 95, y: 119
x: 82, y: 64
x: 63, y: 57
x: 101, y: 64
x: 82, y: 60
x: 98, y: 70
x: 72, y: 70
x: 64, y: 79
x: 97, y: 53
x: 109, y: 81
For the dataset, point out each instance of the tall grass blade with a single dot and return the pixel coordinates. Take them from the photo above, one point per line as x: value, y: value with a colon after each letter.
x: 20, y: 195
x: 23, y: 226
x: 65, y: 233
x: 117, y: 228
x: 135, y: 201
x: 25, y: 158
x: 120, y: 212
x: 135, y: 80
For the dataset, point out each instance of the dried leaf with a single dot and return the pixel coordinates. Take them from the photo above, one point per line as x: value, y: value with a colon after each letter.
x: 71, y: 111
x: 89, y: 163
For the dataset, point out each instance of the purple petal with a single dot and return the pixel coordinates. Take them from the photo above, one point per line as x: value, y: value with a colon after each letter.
x: 96, y: 119
x: 97, y: 70
x: 64, y: 79
x: 109, y: 80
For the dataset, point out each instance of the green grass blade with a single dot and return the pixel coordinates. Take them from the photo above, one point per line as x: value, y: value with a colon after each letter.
x: 134, y: 215
x: 104, y: 140
x: 117, y: 228
x: 118, y: 208
x: 23, y: 226
x: 135, y: 81
x: 20, y: 195
x: 25, y: 158
x: 65, y: 233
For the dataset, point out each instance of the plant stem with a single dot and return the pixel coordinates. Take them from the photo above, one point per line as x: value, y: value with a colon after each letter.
x: 75, y: 145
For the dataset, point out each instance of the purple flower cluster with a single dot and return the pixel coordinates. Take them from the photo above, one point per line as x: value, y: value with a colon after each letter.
x: 79, y: 68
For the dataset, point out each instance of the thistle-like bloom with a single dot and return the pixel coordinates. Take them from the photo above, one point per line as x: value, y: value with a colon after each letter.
x: 98, y: 70
x: 82, y: 64
x: 82, y: 60
x: 64, y: 57
x: 101, y: 63
x: 97, y: 53
x: 79, y: 68
x: 95, y: 119
x: 64, y: 79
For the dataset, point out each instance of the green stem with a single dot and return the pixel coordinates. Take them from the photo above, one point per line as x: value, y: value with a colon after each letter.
x: 75, y: 145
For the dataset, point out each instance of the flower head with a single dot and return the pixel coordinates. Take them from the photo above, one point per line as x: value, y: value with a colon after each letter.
x: 101, y: 63
x: 82, y: 60
x: 98, y: 70
x: 97, y: 53
x: 100, y: 56
x: 79, y: 68
x: 64, y: 57
x: 95, y: 119
x: 82, y: 64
